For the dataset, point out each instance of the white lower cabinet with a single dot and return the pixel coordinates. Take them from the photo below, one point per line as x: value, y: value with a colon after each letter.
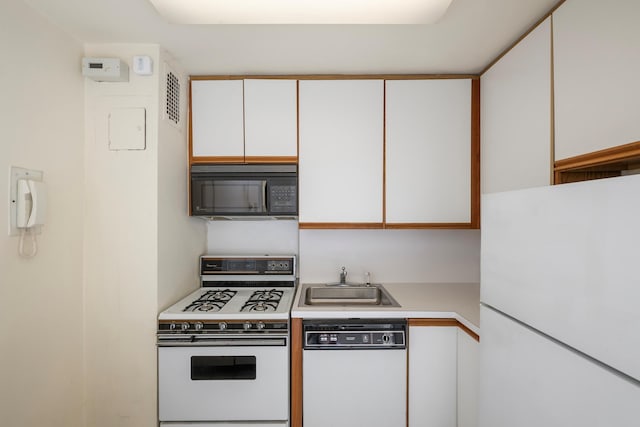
x: 433, y: 376
x: 468, y: 350
x: 443, y: 376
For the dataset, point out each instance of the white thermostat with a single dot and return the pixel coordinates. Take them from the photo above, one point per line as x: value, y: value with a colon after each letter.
x: 105, y: 69
x: 142, y: 65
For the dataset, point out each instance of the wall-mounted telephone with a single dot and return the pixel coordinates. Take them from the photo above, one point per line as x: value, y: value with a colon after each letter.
x: 31, y: 204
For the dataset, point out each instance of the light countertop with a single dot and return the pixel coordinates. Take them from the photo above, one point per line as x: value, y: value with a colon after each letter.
x: 460, y: 301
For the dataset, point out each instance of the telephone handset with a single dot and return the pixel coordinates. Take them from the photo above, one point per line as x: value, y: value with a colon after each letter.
x: 31, y: 206
x: 31, y: 203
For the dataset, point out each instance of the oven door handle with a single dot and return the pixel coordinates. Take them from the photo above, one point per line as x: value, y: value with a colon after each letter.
x: 198, y: 341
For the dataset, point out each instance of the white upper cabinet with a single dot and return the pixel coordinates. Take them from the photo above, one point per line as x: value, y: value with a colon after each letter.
x: 428, y: 151
x: 270, y: 111
x: 341, y: 151
x: 596, y: 67
x: 217, y: 120
x: 244, y: 120
x: 516, y: 116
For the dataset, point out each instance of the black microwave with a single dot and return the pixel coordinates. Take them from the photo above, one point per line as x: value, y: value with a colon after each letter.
x: 253, y: 190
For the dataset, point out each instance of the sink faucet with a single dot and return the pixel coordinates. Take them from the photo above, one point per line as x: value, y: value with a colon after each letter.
x: 343, y: 276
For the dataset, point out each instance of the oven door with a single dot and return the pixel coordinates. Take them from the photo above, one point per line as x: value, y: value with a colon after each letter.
x: 224, y: 383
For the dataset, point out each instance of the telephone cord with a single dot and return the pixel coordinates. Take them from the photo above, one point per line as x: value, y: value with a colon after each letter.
x: 34, y: 243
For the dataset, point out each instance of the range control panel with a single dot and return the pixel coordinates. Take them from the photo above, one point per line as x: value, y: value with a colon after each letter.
x: 354, y: 335
x: 247, y: 265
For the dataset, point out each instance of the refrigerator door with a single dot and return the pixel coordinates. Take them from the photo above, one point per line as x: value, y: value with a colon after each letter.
x: 564, y: 259
x: 528, y: 380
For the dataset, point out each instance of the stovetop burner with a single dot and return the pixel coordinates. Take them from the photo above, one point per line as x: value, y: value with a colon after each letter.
x: 211, y: 301
x: 263, y: 300
x: 266, y: 295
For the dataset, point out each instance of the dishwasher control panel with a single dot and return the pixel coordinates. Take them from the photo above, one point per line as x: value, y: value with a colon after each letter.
x: 354, y: 334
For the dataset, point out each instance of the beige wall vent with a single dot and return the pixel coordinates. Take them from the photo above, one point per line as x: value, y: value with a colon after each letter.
x: 173, y: 88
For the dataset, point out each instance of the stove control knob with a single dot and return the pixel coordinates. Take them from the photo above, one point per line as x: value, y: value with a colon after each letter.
x: 260, y: 325
x: 222, y: 326
x: 184, y: 326
x: 173, y: 326
x: 247, y: 326
x: 199, y: 326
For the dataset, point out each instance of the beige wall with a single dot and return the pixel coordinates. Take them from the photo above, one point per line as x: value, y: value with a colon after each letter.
x: 41, y: 116
x: 140, y: 245
x: 120, y: 252
x: 181, y: 238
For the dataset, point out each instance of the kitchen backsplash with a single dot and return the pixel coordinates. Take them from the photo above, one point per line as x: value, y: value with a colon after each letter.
x: 389, y: 255
x: 248, y: 237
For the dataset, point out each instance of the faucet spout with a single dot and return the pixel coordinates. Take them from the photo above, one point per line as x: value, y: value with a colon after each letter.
x: 343, y: 276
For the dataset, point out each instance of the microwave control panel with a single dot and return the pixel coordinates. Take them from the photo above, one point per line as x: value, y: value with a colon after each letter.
x: 283, y: 199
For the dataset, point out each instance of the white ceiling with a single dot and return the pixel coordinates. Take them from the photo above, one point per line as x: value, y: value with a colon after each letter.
x: 469, y: 36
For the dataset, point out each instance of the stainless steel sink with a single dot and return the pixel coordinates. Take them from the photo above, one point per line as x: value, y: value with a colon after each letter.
x: 352, y: 294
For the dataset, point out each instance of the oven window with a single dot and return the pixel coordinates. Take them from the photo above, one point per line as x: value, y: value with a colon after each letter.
x: 223, y: 368
x: 230, y: 196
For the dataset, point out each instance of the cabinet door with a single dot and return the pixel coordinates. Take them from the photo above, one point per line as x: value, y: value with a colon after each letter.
x: 341, y: 151
x: 217, y: 119
x: 432, y: 376
x: 428, y: 151
x: 468, y: 349
x: 270, y: 111
x: 596, y: 65
x: 516, y: 116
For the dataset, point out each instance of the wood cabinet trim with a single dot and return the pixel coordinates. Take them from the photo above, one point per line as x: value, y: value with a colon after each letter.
x: 217, y: 159
x: 433, y: 322
x: 552, y: 110
x: 429, y: 225
x: 296, y: 372
x: 384, y: 153
x: 336, y: 77
x: 340, y: 225
x: 600, y: 157
x: 271, y: 159
x: 475, y: 153
x: 600, y: 164
x: 189, y: 152
x: 519, y: 39
x: 438, y: 322
x: 469, y: 332
x: 248, y: 159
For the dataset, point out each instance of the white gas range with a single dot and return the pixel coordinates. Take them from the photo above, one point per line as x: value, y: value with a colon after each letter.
x: 227, y: 344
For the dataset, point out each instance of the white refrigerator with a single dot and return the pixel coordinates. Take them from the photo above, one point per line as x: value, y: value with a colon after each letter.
x: 560, y: 306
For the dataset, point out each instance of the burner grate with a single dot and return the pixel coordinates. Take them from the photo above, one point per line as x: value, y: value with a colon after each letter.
x: 211, y: 301
x: 263, y: 300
